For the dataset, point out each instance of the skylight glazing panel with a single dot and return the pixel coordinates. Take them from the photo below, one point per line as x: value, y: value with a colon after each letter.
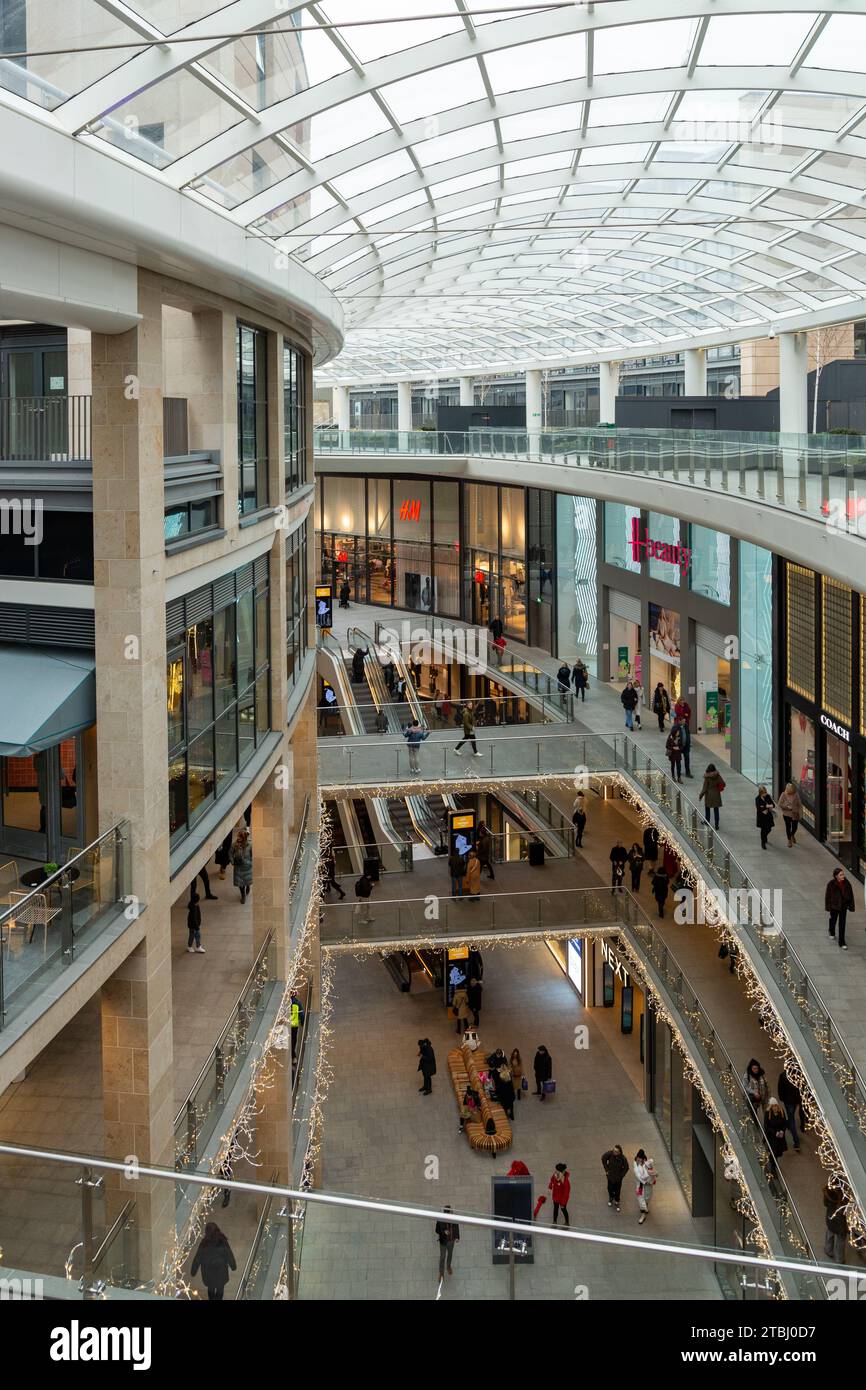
x: 168, y: 120
x: 816, y: 109
x: 628, y: 110
x: 427, y: 93
x: 644, y: 47
x: 458, y: 142
x: 49, y: 80
x: 369, y: 42
x: 537, y: 64
x: 842, y: 45
x: 296, y: 212
x: 373, y: 174
x: 537, y: 164
x: 169, y: 15
x: 551, y: 120
x: 783, y: 158
x: 614, y: 154
x: 347, y: 124
x: 840, y: 168
x: 246, y: 174
x: 767, y: 40
x: 263, y: 68
x: 690, y: 152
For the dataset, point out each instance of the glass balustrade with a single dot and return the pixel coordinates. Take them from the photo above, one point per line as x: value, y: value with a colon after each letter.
x: 821, y: 476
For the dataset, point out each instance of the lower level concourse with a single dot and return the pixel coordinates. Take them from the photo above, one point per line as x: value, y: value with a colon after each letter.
x: 385, y: 1141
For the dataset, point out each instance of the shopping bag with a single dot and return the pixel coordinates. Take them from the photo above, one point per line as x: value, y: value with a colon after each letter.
x: 470, y: 1039
x: 550, y: 1088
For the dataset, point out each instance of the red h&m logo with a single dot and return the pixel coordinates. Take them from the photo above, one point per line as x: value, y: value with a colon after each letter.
x: 657, y: 550
x: 410, y: 510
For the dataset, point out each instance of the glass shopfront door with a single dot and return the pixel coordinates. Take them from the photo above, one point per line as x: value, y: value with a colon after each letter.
x: 42, y: 804
x: 839, y: 800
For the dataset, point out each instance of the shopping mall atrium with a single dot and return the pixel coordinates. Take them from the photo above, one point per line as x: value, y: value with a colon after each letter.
x: 433, y: 587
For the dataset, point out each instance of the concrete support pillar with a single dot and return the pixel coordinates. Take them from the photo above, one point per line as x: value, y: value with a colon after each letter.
x: 129, y: 597
x: 608, y: 386
x: 696, y: 372
x: 793, y: 368
x: 534, y: 403
x: 274, y: 1125
x: 467, y: 390
x: 272, y: 852
x: 341, y: 408
x: 404, y: 406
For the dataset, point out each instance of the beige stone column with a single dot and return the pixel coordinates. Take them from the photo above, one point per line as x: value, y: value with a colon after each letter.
x: 129, y: 593
x: 272, y: 848
x: 273, y: 1124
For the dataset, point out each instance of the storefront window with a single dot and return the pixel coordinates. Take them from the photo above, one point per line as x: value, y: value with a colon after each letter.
x: 801, y: 644
x: 211, y: 731
x: 446, y: 553
x: 667, y: 530
x: 710, y: 567
x: 343, y: 506
x: 618, y: 526
x: 756, y: 662
x: 839, y: 801
x: 296, y: 601
x: 482, y: 502
x: 837, y: 665
x: 252, y: 378
x: 803, y: 761
x: 576, y: 593
x: 294, y: 418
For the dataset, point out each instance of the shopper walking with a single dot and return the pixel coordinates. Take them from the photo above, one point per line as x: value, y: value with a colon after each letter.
x: 193, y: 925
x: 618, y: 860
x: 645, y: 1177
x: 578, y: 818
x: 764, y: 817
x: 504, y: 1084
x: 660, y: 885
x: 711, y: 793
x: 674, y: 751
x: 474, y: 994
x: 755, y: 1085
x: 382, y: 724
x: 789, y: 1095
x: 345, y: 594
x: 460, y: 1005
x: 358, y: 663
x: 515, y: 1063
x: 836, y: 1222
x: 242, y: 864
x: 775, y: 1125
x: 415, y: 736
x: 223, y: 855
x: 214, y: 1258
x: 615, y: 1165
x: 363, y: 893
x: 791, y: 806
x: 563, y: 679
x: 635, y: 863
x: 426, y: 1065
x: 205, y: 883
x: 791, y: 811
x: 468, y: 721
x: 448, y: 1234
x: 683, y: 710
x: 330, y: 874
x: 650, y: 844
x: 472, y: 879
x: 628, y: 700
x: 838, y: 902
x: 457, y: 870
x: 542, y: 1065
x: 686, y: 745
x: 559, y: 1188
x: 661, y: 705
x: 580, y: 680
x: 484, y: 849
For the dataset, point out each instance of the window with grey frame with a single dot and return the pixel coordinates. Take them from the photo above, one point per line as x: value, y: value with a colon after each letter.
x: 296, y: 603
x: 217, y: 690
x: 294, y: 417
x: 252, y: 376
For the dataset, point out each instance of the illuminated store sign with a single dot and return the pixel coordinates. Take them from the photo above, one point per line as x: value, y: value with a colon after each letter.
x: 410, y: 510
x: 838, y: 729
x: 657, y: 550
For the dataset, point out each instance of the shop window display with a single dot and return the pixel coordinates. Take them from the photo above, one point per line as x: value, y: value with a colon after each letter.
x: 803, y: 761
x: 801, y: 648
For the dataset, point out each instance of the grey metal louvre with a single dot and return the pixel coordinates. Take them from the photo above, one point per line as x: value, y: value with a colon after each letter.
x: 261, y: 568
x: 223, y: 591
x: 174, y: 618
x: 623, y: 606
x: 711, y: 641
x: 13, y: 623
x: 199, y: 605
x: 39, y: 626
x: 244, y: 577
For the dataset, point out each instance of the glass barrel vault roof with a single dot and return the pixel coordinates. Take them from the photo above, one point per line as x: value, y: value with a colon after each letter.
x: 492, y: 186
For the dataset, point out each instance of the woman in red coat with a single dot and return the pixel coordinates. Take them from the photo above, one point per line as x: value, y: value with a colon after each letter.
x: 560, y: 1191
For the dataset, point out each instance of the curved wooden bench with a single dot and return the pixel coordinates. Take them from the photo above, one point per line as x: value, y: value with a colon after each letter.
x: 464, y: 1072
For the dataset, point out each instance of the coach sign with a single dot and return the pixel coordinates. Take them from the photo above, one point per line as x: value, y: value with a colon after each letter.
x: 835, y: 728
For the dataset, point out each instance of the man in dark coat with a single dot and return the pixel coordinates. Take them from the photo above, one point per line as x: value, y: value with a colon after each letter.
x: 542, y: 1065
x: 426, y: 1065
x: 838, y: 902
x: 473, y: 994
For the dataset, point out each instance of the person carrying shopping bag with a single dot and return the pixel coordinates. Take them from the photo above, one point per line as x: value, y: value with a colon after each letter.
x: 645, y: 1177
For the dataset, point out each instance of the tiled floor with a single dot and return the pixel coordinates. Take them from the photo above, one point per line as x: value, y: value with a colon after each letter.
x: 384, y: 1140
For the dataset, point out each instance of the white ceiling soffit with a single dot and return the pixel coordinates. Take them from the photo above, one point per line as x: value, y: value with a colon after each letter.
x: 494, y: 190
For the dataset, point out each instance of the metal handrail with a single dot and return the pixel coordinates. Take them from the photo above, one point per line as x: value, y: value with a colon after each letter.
x: 56, y: 878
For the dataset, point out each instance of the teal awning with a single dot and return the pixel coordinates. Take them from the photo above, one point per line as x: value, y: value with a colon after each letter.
x: 45, y: 696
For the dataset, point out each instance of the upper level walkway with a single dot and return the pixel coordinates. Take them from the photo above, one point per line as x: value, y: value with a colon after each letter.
x: 750, y: 485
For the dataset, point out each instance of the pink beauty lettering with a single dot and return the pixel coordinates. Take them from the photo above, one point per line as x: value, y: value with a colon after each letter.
x: 657, y: 550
